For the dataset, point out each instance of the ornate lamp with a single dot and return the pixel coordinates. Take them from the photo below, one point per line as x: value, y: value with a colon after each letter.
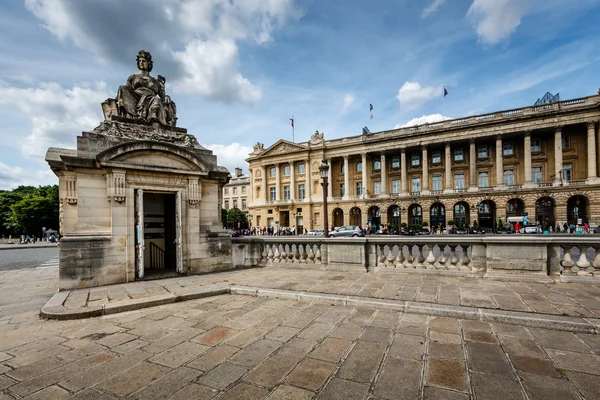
x: 324, y: 170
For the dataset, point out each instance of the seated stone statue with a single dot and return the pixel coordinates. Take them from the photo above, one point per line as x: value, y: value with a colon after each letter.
x: 143, y: 96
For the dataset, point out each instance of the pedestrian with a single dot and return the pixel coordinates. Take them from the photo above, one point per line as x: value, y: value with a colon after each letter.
x: 517, y: 227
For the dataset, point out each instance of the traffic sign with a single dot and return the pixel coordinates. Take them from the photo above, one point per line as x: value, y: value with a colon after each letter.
x: 525, y: 214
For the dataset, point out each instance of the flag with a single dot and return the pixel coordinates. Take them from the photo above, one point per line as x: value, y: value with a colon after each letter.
x: 370, y: 107
x: 445, y: 92
x: 292, y: 119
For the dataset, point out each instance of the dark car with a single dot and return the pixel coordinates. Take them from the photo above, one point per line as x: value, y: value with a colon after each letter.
x: 597, y: 229
x: 504, y: 231
x: 461, y: 231
x: 423, y: 231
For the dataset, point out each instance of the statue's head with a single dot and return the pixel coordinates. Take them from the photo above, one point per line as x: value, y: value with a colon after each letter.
x: 144, y: 61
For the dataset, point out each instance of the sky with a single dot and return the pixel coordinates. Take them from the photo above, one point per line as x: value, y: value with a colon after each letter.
x: 238, y: 70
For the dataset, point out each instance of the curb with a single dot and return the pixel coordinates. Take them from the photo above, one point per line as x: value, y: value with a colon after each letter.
x: 54, y: 308
x: 25, y: 246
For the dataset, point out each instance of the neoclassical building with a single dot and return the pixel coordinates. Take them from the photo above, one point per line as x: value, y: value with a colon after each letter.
x: 236, y: 193
x: 538, y: 162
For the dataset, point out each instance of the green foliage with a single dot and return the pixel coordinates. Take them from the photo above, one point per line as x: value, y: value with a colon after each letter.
x: 425, y: 223
x: 475, y: 225
x: 235, y: 215
x: 224, y: 217
x: 26, y: 209
x: 450, y: 222
x: 500, y: 224
x: 403, y: 225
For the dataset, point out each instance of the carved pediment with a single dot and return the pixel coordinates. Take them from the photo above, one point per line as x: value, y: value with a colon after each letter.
x: 282, y: 147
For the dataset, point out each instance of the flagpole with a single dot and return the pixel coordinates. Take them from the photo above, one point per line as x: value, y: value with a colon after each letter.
x: 293, y: 129
x: 443, y: 103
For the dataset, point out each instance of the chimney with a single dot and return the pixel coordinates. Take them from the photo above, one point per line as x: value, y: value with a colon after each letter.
x: 238, y: 172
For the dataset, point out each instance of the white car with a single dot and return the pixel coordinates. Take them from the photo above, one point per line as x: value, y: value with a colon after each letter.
x: 529, y: 229
x: 316, y: 232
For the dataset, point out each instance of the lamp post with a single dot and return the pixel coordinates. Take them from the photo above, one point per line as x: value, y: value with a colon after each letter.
x: 324, y: 169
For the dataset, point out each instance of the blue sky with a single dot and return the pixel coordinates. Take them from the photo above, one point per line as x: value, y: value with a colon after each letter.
x: 239, y: 69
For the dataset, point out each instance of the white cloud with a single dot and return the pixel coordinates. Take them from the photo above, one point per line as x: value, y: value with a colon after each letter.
x: 348, y: 103
x: 433, y: 7
x: 496, y: 20
x: 423, y: 119
x: 413, y: 95
x: 231, y: 155
x: 209, y: 31
x: 57, y: 114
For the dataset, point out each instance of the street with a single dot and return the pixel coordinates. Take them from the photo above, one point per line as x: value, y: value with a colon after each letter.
x: 28, y: 258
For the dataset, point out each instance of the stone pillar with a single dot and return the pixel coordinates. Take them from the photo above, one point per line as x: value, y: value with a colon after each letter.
x: 330, y: 180
x: 383, y: 176
x: 558, y: 159
x: 403, y: 171
x: 263, y: 171
x: 365, y: 184
x: 448, y: 169
x: 277, y: 183
x: 307, y: 184
x: 472, y: 167
x: 499, y: 162
x: 592, y: 176
x: 292, y: 182
x: 346, y: 179
x: 527, y: 148
x: 425, y: 166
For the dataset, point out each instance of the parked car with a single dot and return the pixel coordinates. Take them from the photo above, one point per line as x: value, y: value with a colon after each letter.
x: 596, y: 229
x: 461, y: 231
x: 503, y: 231
x: 316, y: 232
x: 347, y: 231
x: 407, y: 232
x: 529, y: 229
x: 233, y: 233
x: 423, y: 231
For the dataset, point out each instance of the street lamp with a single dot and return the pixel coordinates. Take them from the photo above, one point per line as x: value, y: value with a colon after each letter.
x: 324, y: 169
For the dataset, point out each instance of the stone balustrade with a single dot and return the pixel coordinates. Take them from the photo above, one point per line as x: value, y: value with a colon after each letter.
x: 544, y: 258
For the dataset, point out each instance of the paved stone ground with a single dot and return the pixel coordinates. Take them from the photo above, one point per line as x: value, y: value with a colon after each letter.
x: 577, y: 300
x: 242, y: 347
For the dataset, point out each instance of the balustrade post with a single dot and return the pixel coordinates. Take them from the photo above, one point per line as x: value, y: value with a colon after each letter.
x: 567, y: 263
x: 410, y: 258
x: 270, y: 254
x: 318, y: 256
x: 263, y: 254
x: 453, y: 260
x: 464, y: 261
x: 298, y: 254
x: 583, y: 264
x: 276, y: 255
x: 381, y: 258
x: 441, y: 262
x: 389, y: 262
x: 399, y: 262
x: 304, y: 255
x: 283, y: 253
x: 290, y: 254
x: 311, y: 254
x: 420, y: 257
x: 430, y: 260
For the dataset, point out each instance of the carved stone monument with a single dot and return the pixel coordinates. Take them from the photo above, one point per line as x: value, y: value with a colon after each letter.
x: 139, y: 197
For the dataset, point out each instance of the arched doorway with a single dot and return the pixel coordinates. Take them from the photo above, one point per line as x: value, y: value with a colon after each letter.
x: 544, y: 212
x: 515, y: 208
x: 355, y: 215
x: 415, y: 215
x: 486, y: 215
x: 374, y: 217
x: 577, y: 210
x: 394, y: 216
x: 338, y: 217
x: 461, y: 214
x: 437, y: 215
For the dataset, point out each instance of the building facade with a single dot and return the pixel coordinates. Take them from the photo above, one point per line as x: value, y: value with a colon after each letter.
x: 236, y: 193
x: 539, y: 162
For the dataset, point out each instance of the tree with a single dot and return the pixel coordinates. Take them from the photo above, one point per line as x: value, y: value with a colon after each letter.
x: 27, y: 209
x: 224, y: 217
x: 235, y: 215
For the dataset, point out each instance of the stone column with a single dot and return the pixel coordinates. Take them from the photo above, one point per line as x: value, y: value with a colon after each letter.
x: 499, y: 162
x: 277, y: 183
x: 591, y: 153
x: 383, y: 176
x: 330, y: 180
x: 292, y: 182
x: 448, y: 169
x: 346, y: 179
x: 307, y: 183
x: 425, y: 166
x: 527, y: 148
x: 558, y: 159
x: 365, y: 184
x: 263, y: 171
x: 472, y: 167
x: 403, y: 171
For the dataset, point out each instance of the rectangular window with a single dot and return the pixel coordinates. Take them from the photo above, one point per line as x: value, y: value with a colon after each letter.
x: 482, y: 152
x: 536, y: 146
x: 377, y: 187
x: 272, y: 194
x: 286, y: 170
x: 227, y: 204
x: 483, y: 179
x: 507, y: 149
x: 415, y: 160
x: 235, y: 204
x: 566, y: 141
x: 359, y: 188
x: 359, y: 166
x: 272, y: 172
x: 301, y: 191
x: 341, y: 168
x: 395, y: 186
x: 243, y: 189
x: 436, y: 157
x: 436, y: 181
x: 567, y: 172
x: 395, y: 162
x: 301, y: 168
x: 342, y: 190
x: 227, y: 191
x: 235, y: 190
x: 459, y: 181
x: 243, y: 204
x: 286, y: 192
x: 376, y: 165
x: 416, y: 185
x: 509, y: 177
x: 536, y: 174
x: 458, y: 155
